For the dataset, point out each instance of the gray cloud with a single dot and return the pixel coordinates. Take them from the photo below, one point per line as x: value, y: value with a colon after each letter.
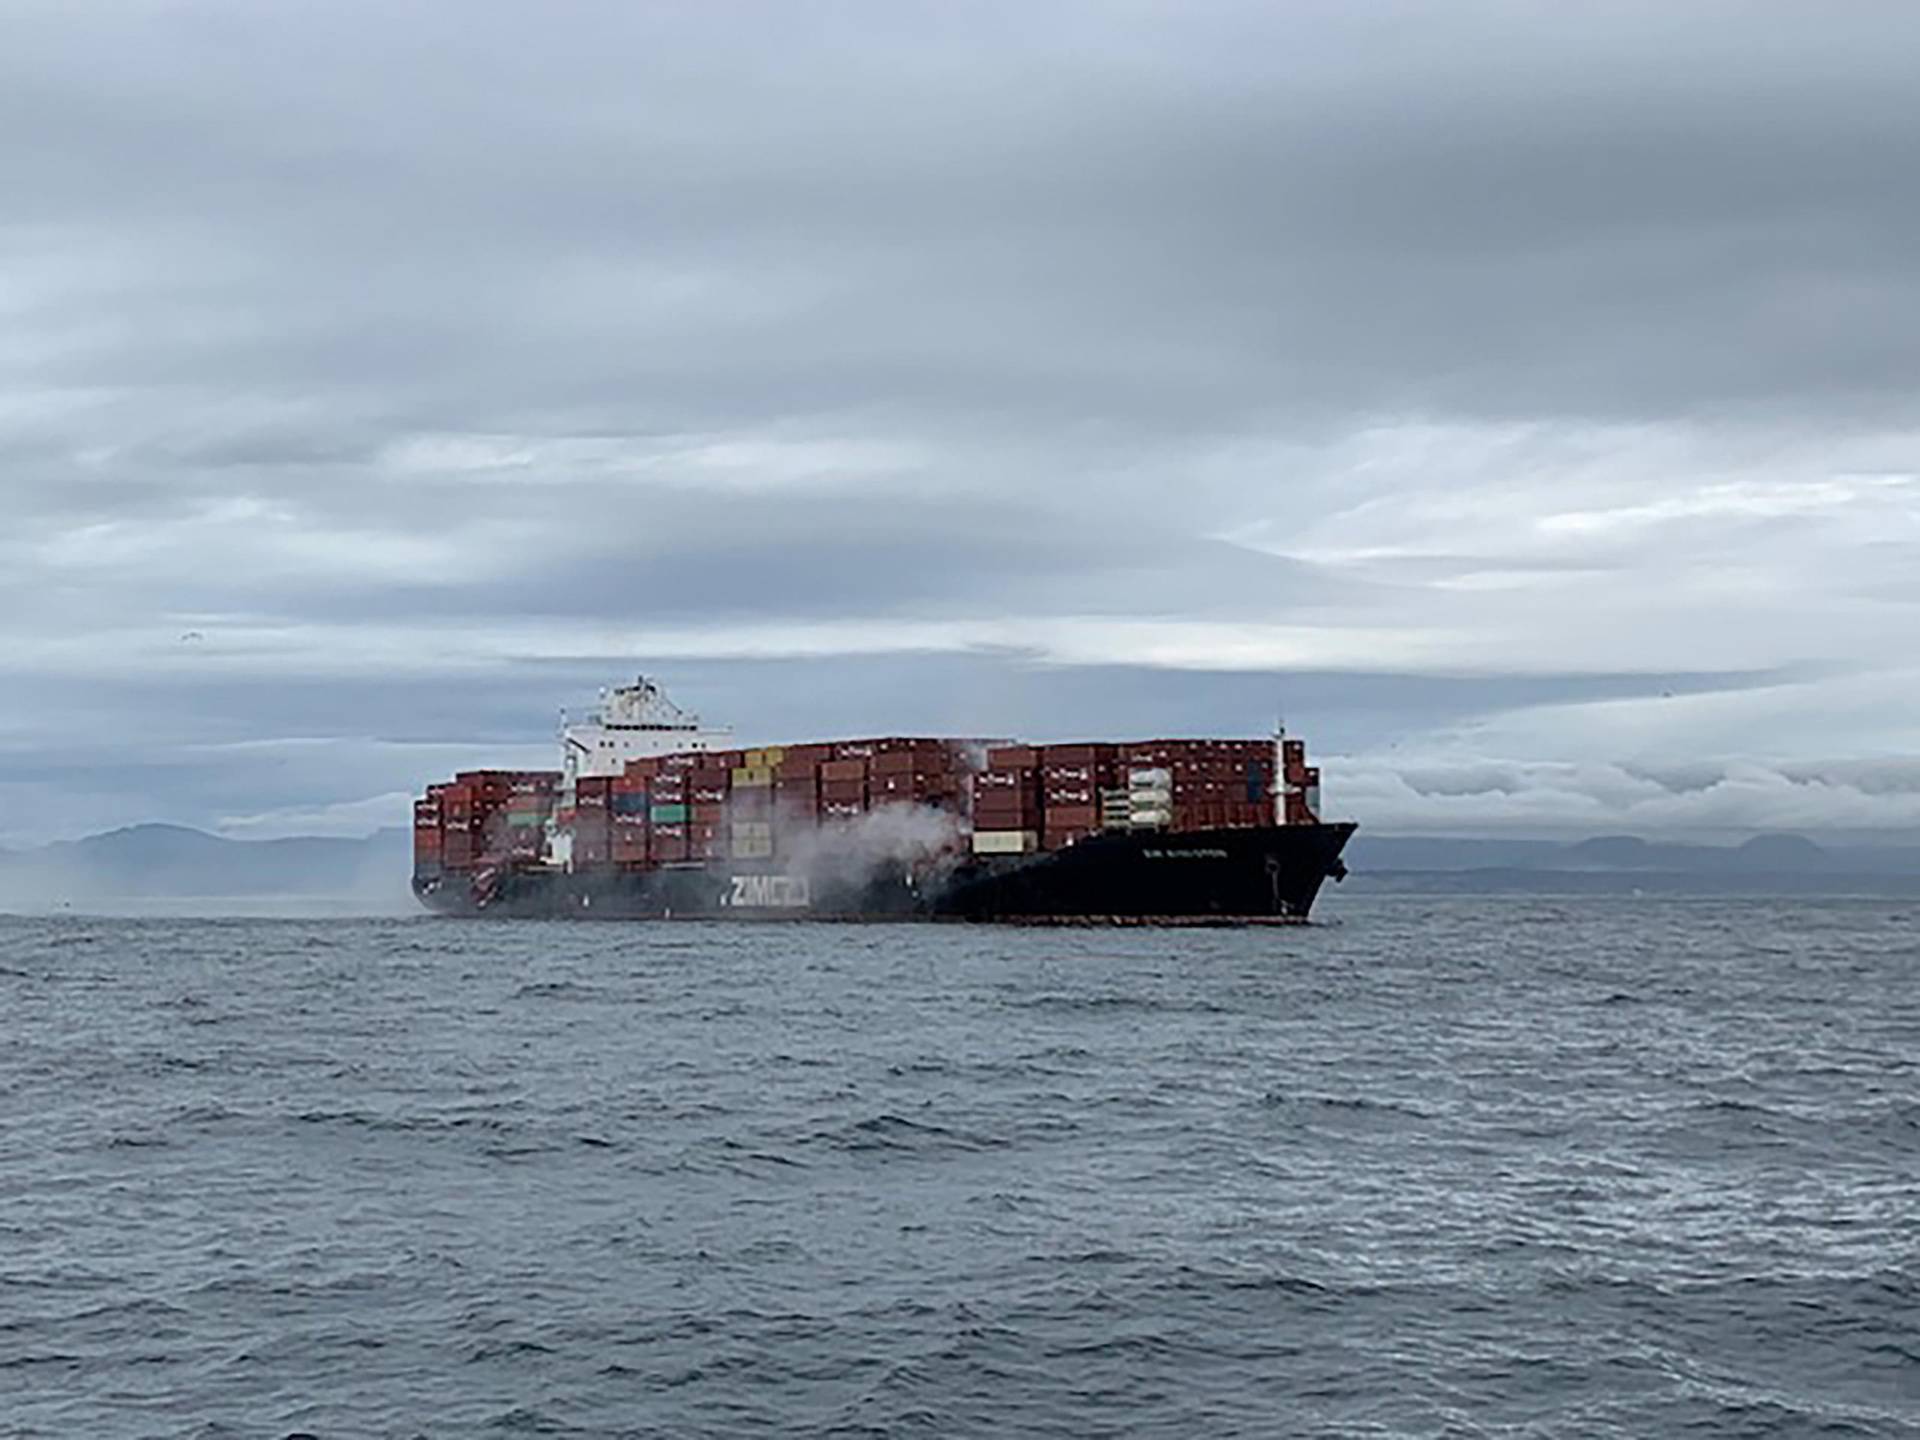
x: 1485, y: 366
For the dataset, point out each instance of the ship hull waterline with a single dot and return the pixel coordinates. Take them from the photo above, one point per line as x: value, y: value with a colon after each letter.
x: 1231, y: 876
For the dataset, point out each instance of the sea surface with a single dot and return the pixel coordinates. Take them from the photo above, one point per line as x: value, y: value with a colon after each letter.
x: 1471, y: 1167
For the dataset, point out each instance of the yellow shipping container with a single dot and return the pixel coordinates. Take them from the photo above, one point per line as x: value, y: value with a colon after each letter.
x: 747, y: 776
x: 772, y: 756
x: 752, y: 849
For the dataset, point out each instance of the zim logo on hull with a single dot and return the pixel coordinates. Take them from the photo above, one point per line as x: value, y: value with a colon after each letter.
x: 780, y: 892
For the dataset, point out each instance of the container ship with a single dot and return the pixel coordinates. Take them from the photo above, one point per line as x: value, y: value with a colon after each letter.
x: 654, y: 815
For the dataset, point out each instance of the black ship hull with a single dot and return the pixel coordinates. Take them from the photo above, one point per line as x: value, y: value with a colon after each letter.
x: 1246, y: 875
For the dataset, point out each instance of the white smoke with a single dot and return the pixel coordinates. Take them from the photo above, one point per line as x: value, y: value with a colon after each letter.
x: 847, y: 853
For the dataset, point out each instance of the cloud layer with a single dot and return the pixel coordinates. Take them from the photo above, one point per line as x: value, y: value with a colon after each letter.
x: 1504, y: 393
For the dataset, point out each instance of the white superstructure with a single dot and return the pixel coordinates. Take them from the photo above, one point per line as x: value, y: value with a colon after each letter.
x: 632, y: 722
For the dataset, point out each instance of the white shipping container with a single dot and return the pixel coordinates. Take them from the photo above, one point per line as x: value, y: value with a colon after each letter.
x: 1005, y: 842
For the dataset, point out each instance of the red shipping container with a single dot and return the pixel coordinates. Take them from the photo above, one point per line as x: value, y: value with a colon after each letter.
x: 1067, y: 774
x: 912, y: 781
x: 1006, y: 800
x: 1076, y: 816
x: 843, y: 770
x: 899, y: 755
x: 1012, y: 757
x: 989, y: 808
x: 1006, y: 780
x: 1076, y: 754
x: 1061, y: 836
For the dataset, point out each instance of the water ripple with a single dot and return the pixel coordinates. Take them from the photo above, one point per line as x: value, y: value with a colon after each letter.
x: 1523, y: 1168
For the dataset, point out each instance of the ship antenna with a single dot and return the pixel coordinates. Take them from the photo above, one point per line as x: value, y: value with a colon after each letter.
x: 1278, y: 799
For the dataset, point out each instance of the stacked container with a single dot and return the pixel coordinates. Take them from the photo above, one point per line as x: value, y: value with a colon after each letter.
x: 1006, y: 802
x: 843, y: 787
x: 914, y: 772
x: 428, y: 840
x: 1149, y: 803
x: 1208, y: 783
x: 703, y: 807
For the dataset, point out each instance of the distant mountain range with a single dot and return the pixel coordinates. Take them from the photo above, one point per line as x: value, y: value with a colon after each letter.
x: 1766, y: 864
x: 170, y: 863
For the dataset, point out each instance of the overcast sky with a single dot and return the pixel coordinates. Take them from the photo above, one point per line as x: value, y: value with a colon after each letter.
x: 1525, y: 398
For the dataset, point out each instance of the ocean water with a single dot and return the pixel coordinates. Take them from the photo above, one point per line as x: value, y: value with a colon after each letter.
x: 1437, y: 1167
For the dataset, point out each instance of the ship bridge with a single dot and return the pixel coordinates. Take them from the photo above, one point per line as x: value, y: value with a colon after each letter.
x: 631, y: 722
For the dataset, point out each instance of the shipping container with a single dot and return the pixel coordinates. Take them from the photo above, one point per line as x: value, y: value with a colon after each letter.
x: 1005, y: 842
x: 1083, y: 817
x: 751, y: 804
x: 1059, y: 837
